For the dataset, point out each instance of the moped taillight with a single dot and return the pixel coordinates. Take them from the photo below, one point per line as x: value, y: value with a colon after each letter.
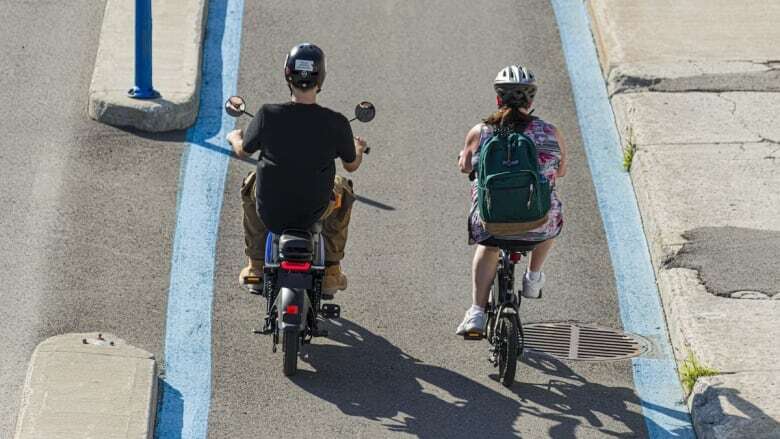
x: 298, y: 267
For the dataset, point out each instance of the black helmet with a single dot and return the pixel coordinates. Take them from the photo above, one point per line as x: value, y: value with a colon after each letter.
x: 515, y: 86
x: 304, y: 67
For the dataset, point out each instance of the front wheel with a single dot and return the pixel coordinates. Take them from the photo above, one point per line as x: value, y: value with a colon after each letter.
x: 507, y: 348
x: 290, y: 349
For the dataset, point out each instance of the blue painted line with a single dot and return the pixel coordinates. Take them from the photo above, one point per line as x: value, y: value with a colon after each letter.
x: 186, y: 388
x: 641, y: 312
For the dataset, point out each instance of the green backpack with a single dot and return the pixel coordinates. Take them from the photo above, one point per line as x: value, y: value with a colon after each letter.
x: 512, y: 195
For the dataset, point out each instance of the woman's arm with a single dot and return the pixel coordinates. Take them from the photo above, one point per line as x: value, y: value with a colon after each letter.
x: 470, y: 147
x: 562, y: 145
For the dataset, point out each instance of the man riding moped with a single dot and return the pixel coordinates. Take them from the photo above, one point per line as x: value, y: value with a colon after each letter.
x: 295, y: 184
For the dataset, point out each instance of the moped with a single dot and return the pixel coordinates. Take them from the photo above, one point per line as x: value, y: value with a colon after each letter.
x: 293, y: 273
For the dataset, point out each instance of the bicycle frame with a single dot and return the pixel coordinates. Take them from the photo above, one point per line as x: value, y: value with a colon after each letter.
x: 504, y: 300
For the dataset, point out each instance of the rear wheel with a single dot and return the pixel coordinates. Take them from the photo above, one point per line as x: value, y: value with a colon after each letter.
x: 290, y: 349
x: 507, y: 348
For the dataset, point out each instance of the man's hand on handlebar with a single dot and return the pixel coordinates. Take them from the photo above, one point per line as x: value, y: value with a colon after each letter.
x: 236, y: 139
x: 361, y: 146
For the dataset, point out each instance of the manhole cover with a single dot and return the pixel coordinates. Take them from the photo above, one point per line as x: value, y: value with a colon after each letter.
x: 578, y: 341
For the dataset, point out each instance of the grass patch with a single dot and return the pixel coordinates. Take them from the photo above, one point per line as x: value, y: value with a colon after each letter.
x: 691, y: 370
x: 629, y: 150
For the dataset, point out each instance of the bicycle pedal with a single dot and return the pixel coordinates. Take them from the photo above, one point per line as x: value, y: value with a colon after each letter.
x: 474, y: 335
x: 330, y: 311
x: 263, y: 331
x: 520, y: 293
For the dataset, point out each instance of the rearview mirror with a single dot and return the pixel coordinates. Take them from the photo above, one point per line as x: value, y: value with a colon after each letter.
x: 365, y: 111
x: 235, y: 106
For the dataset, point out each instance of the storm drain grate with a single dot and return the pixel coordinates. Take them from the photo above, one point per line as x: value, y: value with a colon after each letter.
x: 578, y: 341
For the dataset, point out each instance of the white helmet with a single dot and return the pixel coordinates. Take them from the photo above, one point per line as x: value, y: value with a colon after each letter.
x: 515, y: 86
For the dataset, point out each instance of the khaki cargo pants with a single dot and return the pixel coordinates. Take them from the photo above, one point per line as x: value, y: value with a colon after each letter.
x: 334, y: 225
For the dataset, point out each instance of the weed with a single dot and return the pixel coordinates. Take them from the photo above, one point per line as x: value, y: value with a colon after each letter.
x: 691, y: 370
x: 629, y: 150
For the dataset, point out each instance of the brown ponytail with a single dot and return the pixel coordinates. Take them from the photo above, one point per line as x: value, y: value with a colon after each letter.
x: 509, y: 117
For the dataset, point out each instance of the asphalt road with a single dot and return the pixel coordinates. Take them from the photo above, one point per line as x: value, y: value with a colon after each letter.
x: 393, y: 366
x: 85, y: 242
x: 87, y: 210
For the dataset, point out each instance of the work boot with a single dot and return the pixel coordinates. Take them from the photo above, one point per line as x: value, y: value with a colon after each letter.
x: 253, y: 270
x: 334, y: 280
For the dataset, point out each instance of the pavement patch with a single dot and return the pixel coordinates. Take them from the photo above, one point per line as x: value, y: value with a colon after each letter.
x: 88, y: 385
x: 732, y: 261
x: 177, y: 40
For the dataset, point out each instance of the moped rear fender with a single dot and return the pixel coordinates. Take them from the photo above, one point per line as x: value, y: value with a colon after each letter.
x: 293, y: 299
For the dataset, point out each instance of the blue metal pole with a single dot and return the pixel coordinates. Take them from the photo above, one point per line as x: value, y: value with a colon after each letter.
x: 143, y: 52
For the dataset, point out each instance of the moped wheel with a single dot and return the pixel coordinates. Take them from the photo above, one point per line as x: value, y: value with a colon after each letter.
x: 507, y: 337
x: 290, y: 349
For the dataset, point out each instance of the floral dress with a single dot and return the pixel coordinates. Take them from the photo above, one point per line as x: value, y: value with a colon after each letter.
x: 549, y: 155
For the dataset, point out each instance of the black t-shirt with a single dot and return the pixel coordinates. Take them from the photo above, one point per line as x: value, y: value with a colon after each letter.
x: 298, y: 144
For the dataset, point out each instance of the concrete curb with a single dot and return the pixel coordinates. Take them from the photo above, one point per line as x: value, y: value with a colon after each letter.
x: 88, y: 385
x: 178, y: 27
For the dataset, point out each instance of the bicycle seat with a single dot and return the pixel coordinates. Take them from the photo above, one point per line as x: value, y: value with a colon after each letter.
x: 518, y: 248
x: 296, y: 245
x: 511, y: 245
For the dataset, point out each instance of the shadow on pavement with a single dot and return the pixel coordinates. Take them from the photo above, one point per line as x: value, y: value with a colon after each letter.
x: 167, y: 136
x: 573, y: 402
x: 172, y: 404
x: 738, y: 415
x: 388, y: 386
x: 373, y: 203
x: 372, y: 379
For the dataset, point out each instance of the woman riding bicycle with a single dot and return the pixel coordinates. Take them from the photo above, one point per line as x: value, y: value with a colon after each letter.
x: 515, y: 89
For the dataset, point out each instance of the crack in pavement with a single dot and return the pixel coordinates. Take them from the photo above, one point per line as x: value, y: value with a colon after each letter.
x: 767, y: 81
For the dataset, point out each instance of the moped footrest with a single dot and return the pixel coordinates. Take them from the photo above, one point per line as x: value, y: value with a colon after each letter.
x: 252, y: 280
x: 331, y: 311
x: 328, y: 294
x: 263, y: 331
x: 254, y: 284
x: 474, y: 335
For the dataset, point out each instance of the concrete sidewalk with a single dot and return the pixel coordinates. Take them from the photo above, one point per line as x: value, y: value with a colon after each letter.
x: 695, y: 86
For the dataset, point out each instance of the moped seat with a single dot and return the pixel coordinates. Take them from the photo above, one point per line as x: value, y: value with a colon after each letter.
x: 296, y: 245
